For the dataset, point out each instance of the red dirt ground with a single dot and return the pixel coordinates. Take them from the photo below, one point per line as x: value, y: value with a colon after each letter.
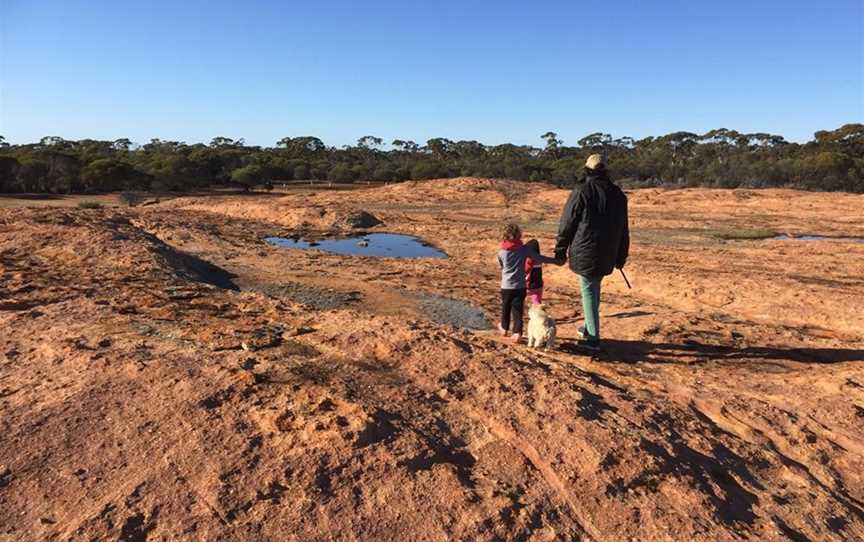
x: 159, y: 380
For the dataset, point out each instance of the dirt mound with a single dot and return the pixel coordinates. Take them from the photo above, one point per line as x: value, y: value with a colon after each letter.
x: 50, y: 256
x: 324, y: 210
x: 477, y: 189
x: 357, y: 220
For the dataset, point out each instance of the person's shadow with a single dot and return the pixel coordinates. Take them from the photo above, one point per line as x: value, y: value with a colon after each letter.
x: 618, y: 350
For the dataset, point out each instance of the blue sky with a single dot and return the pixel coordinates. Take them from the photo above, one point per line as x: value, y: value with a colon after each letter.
x: 495, y: 71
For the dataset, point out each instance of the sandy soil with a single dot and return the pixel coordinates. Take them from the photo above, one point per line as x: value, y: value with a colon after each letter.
x: 26, y: 200
x: 165, y: 376
x: 18, y: 201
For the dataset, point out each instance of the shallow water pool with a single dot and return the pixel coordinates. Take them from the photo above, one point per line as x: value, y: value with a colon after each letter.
x: 386, y: 245
x: 786, y: 237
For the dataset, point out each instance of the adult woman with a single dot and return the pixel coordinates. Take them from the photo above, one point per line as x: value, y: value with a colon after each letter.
x: 594, y: 236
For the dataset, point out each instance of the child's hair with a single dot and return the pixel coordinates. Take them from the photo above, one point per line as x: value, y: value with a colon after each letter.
x: 533, y: 243
x: 510, y: 232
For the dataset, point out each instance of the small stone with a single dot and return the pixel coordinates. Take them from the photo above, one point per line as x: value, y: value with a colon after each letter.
x: 543, y: 535
x: 224, y: 344
x: 295, y: 332
x: 104, y: 343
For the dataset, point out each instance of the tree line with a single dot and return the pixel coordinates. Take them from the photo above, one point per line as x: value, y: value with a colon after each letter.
x: 832, y: 160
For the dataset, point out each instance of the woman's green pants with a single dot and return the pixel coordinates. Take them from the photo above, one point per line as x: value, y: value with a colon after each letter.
x: 590, y: 287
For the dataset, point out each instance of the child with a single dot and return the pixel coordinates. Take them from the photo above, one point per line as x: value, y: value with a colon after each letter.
x: 534, y: 275
x: 511, y: 259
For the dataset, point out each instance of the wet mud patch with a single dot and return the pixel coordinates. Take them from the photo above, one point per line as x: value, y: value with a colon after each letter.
x: 294, y: 348
x: 454, y: 312
x: 321, y: 299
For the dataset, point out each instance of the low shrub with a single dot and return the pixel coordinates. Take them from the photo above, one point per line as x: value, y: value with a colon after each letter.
x: 131, y: 199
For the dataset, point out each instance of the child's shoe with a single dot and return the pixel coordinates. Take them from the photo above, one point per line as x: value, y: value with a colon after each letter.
x: 583, y: 333
x: 502, y: 331
x: 515, y: 338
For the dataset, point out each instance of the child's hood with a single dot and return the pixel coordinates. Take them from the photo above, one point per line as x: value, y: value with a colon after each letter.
x: 511, y: 244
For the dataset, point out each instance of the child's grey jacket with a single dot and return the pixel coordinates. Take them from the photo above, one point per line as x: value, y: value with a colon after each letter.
x: 512, y: 264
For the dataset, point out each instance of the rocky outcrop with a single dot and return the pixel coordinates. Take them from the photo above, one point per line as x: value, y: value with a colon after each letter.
x: 358, y: 220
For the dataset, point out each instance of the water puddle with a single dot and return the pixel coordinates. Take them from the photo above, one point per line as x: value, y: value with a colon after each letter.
x: 387, y: 245
x: 787, y: 237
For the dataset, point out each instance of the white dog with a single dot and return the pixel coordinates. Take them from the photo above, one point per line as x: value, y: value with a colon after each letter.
x: 541, y: 327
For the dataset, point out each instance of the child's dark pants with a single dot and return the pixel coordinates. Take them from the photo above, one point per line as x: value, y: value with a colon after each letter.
x: 512, y: 303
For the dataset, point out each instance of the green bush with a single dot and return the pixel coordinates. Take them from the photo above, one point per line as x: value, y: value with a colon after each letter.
x: 319, y: 170
x: 403, y: 173
x: 515, y: 171
x: 31, y: 173
x: 89, y: 205
x: 425, y: 170
x: 247, y: 176
x: 341, y: 173
x: 131, y: 199
x: 359, y: 172
x: 385, y: 171
x: 301, y: 172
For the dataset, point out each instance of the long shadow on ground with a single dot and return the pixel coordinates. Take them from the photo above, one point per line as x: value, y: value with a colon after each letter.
x: 203, y: 271
x: 695, y: 352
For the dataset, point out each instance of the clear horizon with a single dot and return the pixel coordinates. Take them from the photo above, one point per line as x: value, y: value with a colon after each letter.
x: 493, y: 72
